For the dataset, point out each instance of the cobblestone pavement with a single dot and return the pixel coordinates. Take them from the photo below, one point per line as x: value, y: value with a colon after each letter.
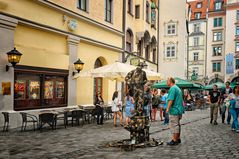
x: 199, y: 140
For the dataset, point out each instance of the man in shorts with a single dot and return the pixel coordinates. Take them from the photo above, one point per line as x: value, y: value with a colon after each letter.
x: 175, y: 109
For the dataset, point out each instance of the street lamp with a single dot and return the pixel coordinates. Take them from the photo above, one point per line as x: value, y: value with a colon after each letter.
x: 78, y: 66
x: 14, y: 57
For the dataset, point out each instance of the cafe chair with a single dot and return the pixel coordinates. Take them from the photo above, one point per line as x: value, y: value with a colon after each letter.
x: 6, y: 121
x: 75, y: 116
x: 108, y: 113
x: 28, y: 118
x: 47, y: 118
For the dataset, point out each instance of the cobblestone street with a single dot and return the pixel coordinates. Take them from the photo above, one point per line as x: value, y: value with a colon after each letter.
x: 200, y: 139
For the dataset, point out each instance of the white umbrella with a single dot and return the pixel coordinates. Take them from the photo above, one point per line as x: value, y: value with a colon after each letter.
x: 116, y: 71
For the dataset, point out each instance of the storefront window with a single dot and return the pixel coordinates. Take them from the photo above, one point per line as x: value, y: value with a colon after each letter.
x: 19, y: 89
x: 34, y: 89
x: 39, y: 88
x: 59, y: 89
x: 48, y: 90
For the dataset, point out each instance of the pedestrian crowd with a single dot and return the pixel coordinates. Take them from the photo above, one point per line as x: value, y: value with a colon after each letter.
x: 226, y: 102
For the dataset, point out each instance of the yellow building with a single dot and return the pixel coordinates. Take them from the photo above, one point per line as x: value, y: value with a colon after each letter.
x: 141, y: 23
x: 52, y: 35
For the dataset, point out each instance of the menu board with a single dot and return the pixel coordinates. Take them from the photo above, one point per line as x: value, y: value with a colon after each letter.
x: 19, y: 89
x: 59, y: 89
x: 34, y: 90
x: 48, y: 90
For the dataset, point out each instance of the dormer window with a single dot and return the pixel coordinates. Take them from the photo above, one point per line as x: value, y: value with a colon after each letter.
x: 218, y: 6
x: 199, y: 5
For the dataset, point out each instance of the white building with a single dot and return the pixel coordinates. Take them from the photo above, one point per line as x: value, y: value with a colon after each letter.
x: 172, y: 38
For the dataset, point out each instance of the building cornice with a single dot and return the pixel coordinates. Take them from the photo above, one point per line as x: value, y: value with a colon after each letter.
x: 77, y: 15
x: 61, y: 32
x: 232, y: 6
x: 217, y: 13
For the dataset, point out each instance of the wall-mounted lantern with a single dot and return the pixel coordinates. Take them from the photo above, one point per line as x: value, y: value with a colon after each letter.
x: 78, y: 66
x: 14, y: 57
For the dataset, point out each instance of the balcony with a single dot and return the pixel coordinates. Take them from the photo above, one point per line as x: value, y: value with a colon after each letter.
x: 199, y: 62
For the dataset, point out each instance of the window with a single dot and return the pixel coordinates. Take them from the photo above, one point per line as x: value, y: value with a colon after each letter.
x: 199, y: 5
x: 237, y: 46
x: 217, y: 50
x: 147, y: 12
x: 147, y: 52
x: 237, y: 64
x: 83, y: 5
x: 196, y: 28
x: 195, y: 56
x: 137, y: 12
x: 218, y: 6
x: 217, y: 36
x: 170, y: 51
x: 195, y: 70
x: 171, y: 29
x: 154, y: 55
x: 36, y: 88
x: 108, y: 10
x: 98, y: 82
x: 130, y: 6
x: 140, y: 48
x: 217, y: 22
x: 216, y: 67
x: 197, y: 15
x: 196, y: 41
x: 129, y: 40
x: 237, y: 15
x: 237, y: 30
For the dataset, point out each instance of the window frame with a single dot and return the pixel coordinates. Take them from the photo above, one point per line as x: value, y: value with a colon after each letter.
x: 171, y: 29
x: 197, y: 15
x: 217, y: 22
x: 236, y: 66
x: 86, y: 5
x: 217, y: 67
x: 172, y: 51
x: 196, y: 56
x: 147, y: 14
x: 216, y: 53
x: 196, y: 41
x: 237, y: 46
x: 196, y: 27
x: 215, y: 6
x: 137, y: 14
x: 217, y: 36
x: 199, y: 5
x: 109, y: 12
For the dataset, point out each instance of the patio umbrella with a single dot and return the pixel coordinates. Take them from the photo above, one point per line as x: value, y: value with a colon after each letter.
x: 179, y: 82
x: 116, y: 71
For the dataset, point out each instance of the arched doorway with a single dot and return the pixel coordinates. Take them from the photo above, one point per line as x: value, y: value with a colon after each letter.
x: 214, y: 80
x: 98, y: 82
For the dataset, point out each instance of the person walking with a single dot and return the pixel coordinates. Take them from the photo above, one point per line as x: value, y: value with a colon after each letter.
x: 214, y: 101
x: 129, y: 107
x: 147, y: 103
x: 155, y: 104
x: 99, y: 102
x: 175, y: 109
x: 234, y: 108
x: 116, y: 107
x: 224, y: 94
x: 164, y: 105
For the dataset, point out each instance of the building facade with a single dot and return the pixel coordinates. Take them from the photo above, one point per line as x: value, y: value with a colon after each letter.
x: 172, y: 38
x: 216, y: 37
x: 197, y: 48
x: 52, y: 35
x: 232, y: 41
x: 141, y: 23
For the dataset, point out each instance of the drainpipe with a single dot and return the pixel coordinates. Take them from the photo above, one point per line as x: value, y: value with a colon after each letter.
x: 158, y: 39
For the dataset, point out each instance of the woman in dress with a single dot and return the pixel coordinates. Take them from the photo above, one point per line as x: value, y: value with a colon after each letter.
x: 129, y: 107
x: 116, y: 107
x: 99, y: 102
